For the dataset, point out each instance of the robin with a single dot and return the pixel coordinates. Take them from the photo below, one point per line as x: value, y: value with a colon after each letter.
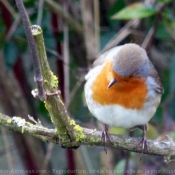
x: 123, y: 89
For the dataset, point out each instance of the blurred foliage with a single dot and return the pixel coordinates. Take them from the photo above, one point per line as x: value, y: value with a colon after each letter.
x: 113, y: 17
x: 135, y: 11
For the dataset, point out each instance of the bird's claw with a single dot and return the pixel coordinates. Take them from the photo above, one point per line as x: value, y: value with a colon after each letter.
x: 143, y: 141
x: 105, y: 136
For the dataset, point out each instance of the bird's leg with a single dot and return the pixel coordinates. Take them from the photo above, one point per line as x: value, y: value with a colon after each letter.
x: 105, y: 136
x: 143, y: 139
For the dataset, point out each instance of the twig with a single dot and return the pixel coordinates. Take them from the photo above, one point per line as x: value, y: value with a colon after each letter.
x: 93, y: 138
x: 121, y: 35
x: 54, y: 104
x: 147, y: 43
x: 86, y: 158
x: 48, y: 156
x: 40, y: 11
x: 75, y: 89
x: 38, y: 76
x: 66, y: 16
x: 10, y: 9
x: 97, y: 24
x: 63, y: 124
x: 66, y: 60
x: 13, y: 28
x: 88, y: 25
x: 123, y: 32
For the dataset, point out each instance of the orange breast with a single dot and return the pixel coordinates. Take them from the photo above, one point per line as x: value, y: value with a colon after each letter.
x: 127, y: 92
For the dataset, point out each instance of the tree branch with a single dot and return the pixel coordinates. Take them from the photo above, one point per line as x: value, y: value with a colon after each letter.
x: 47, y: 81
x: 37, y: 70
x: 54, y: 104
x: 93, y: 138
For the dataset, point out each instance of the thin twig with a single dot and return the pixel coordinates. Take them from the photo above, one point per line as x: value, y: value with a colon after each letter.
x: 75, y: 89
x: 86, y: 157
x: 10, y: 8
x: 121, y: 35
x: 40, y: 11
x: 66, y: 60
x: 97, y: 24
x: 38, y: 76
x: 13, y: 28
x: 88, y: 23
x: 48, y: 156
x: 66, y: 16
x: 147, y: 43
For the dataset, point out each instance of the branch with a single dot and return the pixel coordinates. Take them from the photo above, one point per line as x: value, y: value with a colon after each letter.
x: 54, y: 104
x: 88, y: 23
x: 47, y: 82
x: 38, y: 77
x: 93, y: 138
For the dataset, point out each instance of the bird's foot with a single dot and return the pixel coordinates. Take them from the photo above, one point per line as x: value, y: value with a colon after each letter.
x: 105, y: 137
x: 143, y: 141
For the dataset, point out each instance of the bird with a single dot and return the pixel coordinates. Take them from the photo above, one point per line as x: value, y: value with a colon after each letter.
x: 123, y: 89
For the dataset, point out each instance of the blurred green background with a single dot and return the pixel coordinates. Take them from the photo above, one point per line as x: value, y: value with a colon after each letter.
x: 75, y: 33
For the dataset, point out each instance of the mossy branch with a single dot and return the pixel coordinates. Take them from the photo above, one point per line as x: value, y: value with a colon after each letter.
x: 92, y: 137
x: 47, y: 82
x: 54, y: 104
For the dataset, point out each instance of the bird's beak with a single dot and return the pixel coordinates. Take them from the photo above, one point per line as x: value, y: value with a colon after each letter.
x: 112, y: 82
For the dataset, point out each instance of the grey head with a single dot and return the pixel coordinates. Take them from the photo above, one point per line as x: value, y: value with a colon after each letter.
x: 131, y: 59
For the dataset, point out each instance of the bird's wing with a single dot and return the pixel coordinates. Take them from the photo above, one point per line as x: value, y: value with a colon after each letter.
x: 153, y: 73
